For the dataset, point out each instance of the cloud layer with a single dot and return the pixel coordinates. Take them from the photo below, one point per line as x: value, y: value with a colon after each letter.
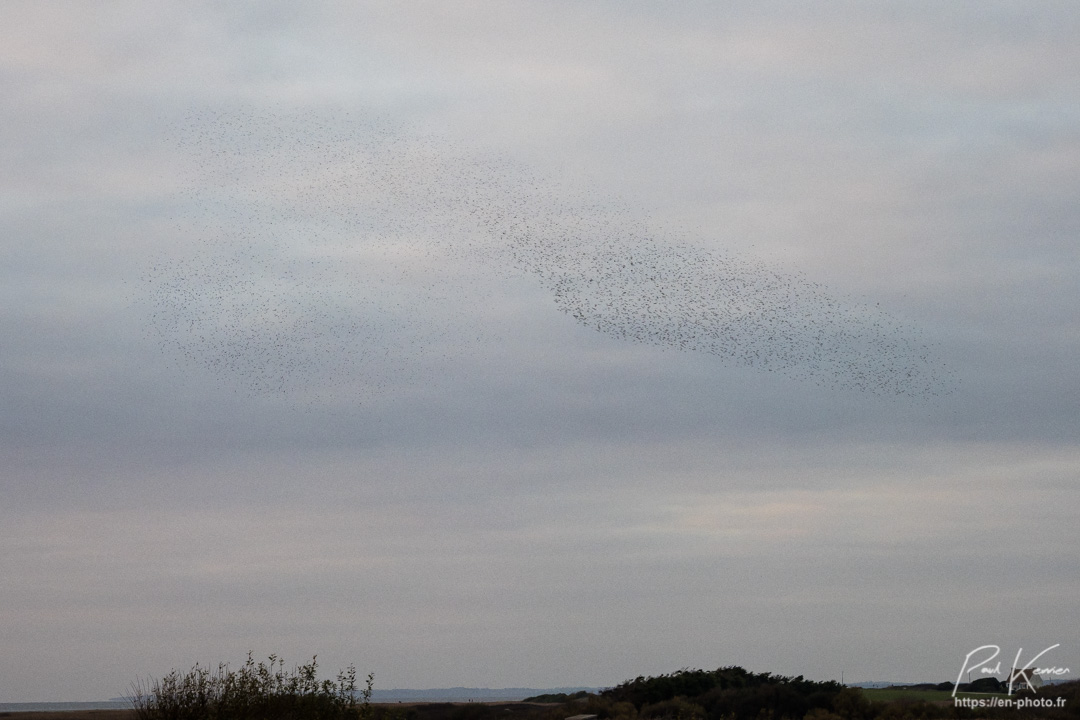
x: 522, y: 345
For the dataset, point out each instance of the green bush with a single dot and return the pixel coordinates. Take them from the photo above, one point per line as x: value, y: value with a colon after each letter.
x: 707, y: 687
x: 678, y: 708
x: 263, y: 691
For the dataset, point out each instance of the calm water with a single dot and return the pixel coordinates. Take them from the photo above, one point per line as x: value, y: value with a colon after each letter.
x: 58, y: 706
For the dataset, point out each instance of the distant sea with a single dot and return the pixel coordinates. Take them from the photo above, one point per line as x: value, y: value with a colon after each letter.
x: 456, y: 694
x: 62, y: 706
x: 464, y: 694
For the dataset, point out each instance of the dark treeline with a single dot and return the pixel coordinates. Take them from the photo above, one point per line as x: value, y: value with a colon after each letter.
x: 734, y: 693
x: 728, y: 692
x: 643, y: 691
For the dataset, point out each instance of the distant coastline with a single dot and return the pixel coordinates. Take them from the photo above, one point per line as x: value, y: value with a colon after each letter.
x: 454, y: 694
x: 114, y: 704
x: 462, y: 694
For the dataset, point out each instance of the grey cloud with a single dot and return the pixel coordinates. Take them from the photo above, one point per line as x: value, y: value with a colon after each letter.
x: 537, y: 503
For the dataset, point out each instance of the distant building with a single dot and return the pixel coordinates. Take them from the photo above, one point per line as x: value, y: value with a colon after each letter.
x: 1023, y: 677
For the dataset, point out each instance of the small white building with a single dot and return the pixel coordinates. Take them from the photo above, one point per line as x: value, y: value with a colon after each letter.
x: 1022, y: 678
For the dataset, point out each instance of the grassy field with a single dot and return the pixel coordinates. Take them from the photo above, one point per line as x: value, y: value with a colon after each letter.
x: 413, y: 711
x: 892, y: 694
x: 70, y: 715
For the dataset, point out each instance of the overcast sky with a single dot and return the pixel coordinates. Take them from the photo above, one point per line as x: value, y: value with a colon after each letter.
x: 319, y: 335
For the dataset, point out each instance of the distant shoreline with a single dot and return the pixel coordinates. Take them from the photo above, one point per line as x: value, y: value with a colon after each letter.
x: 7, y: 708
x: 393, y: 695
x: 123, y: 711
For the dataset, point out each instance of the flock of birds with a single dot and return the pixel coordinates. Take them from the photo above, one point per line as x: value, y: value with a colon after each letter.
x: 323, y: 257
